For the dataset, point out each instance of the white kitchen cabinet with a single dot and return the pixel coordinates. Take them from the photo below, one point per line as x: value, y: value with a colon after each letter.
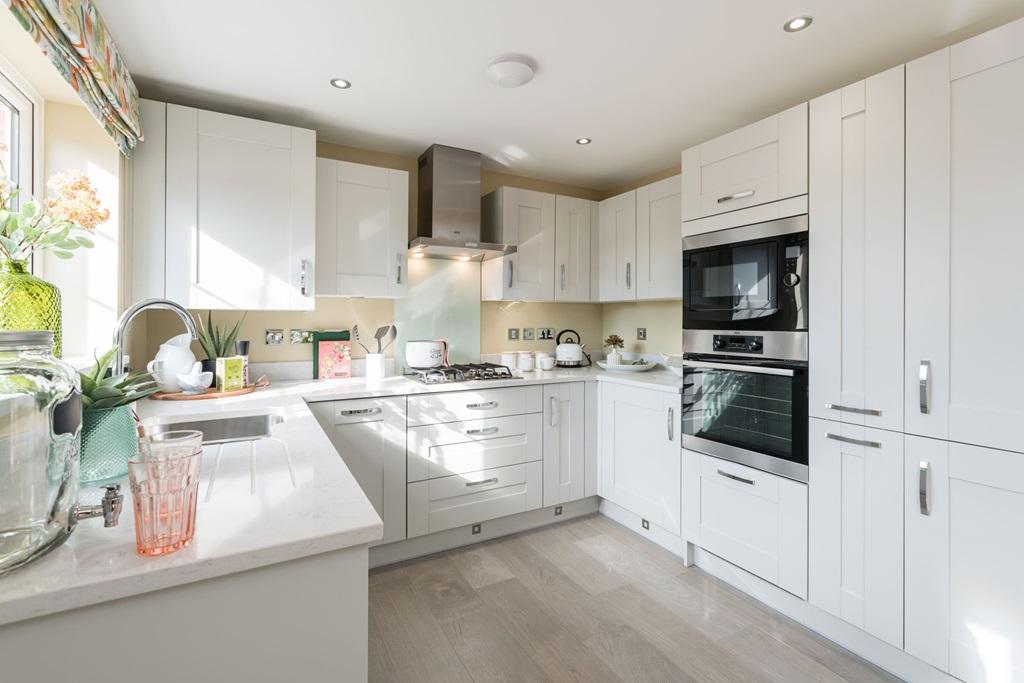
x: 857, y: 241
x: 855, y: 496
x: 965, y: 170
x: 564, y: 448
x: 572, y: 248
x: 640, y: 452
x: 964, y: 605
x: 369, y: 435
x: 763, y: 162
x: 616, y: 261
x: 449, y: 448
x: 526, y: 219
x: 362, y: 223
x: 240, y: 212
x: 659, y: 256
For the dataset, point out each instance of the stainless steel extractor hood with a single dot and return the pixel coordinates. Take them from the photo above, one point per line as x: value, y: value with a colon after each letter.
x: 448, y: 216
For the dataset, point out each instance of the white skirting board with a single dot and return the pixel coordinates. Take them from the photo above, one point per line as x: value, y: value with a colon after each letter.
x: 420, y: 546
x: 879, y: 653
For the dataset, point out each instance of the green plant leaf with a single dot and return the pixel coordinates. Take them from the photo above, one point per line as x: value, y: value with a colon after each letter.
x: 107, y: 392
x: 102, y: 363
x: 85, y: 242
x: 29, y: 209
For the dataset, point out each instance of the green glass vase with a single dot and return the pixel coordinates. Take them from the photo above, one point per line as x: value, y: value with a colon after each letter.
x: 109, y: 440
x: 28, y: 302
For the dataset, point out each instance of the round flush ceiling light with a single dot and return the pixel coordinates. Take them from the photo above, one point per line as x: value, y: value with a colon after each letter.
x: 510, y: 71
x: 797, y: 23
x: 583, y: 141
x: 341, y: 83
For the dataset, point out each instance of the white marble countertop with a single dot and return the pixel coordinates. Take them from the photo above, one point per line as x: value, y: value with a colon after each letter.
x: 247, y: 522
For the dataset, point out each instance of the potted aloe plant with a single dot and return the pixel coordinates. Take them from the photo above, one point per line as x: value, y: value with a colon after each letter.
x: 60, y: 225
x: 109, y: 424
x: 217, y: 342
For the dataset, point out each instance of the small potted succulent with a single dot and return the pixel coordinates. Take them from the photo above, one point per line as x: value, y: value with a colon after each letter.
x: 109, y: 424
x: 614, y: 356
x: 217, y: 342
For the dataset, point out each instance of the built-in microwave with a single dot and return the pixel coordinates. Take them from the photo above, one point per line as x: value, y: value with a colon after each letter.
x: 751, y: 278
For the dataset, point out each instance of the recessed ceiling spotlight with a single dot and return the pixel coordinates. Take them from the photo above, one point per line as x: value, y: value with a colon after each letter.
x: 798, y: 23
x: 583, y: 141
x: 342, y: 84
x: 510, y: 71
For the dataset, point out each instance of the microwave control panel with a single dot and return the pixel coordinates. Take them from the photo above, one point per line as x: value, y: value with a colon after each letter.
x: 742, y: 343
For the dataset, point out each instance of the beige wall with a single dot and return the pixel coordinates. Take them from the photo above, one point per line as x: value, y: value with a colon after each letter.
x: 497, y: 317
x: 663, y: 320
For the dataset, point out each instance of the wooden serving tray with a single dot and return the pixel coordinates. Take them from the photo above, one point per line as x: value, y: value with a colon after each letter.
x: 210, y: 393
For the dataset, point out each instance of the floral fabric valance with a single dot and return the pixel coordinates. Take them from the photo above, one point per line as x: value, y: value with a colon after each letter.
x: 72, y: 34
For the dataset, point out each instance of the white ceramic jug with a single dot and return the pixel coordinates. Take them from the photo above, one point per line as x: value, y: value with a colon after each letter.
x: 174, y: 358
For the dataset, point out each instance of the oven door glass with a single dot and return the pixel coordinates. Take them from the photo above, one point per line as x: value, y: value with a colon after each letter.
x: 755, y: 411
x: 733, y: 282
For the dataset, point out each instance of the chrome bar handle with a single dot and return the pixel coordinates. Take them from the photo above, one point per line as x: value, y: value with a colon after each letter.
x: 482, y: 430
x: 629, y: 275
x: 671, y: 423
x: 922, y: 487
x: 360, y: 411
x: 492, y: 480
x: 511, y: 272
x: 734, y: 477
x: 303, y: 278
x: 482, y: 406
x: 398, y: 277
x: 924, y: 379
x: 738, y: 195
x: 553, y: 408
x: 855, y: 442
x: 851, y: 409
x: 563, y: 277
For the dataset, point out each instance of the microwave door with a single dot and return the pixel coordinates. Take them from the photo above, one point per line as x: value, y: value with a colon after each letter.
x: 732, y: 283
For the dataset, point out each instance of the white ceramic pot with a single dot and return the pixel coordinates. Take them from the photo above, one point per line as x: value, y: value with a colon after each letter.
x: 374, y: 366
x: 526, y: 361
x: 423, y: 353
x: 174, y: 358
x: 614, y: 357
x: 509, y: 359
x: 546, y: 362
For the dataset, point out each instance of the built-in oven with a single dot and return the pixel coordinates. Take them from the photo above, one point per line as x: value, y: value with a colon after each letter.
x: 750, y: 411
x: 747, y: 279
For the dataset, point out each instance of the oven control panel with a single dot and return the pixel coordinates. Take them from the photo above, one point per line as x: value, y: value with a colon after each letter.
x: 741, y: 343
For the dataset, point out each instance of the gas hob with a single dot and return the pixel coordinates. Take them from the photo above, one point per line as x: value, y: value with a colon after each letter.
x: 462, y: 373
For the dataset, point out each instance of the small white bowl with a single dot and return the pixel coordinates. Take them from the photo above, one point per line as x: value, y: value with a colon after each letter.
x: 195, y: 383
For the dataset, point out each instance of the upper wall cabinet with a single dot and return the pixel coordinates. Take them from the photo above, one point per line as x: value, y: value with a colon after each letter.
x: 856, y: 239
x: 241, y: 212
x: 659, y: 260
x: 362, y: 223
x: 965, y: 171
x: 526, y: 219
x: 572, y: 248
x: 616, y: 260
x: 757, y: 164
x: 228, y: 206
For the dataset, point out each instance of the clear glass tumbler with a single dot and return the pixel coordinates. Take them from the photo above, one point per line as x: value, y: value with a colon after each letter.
x: 165, y: 488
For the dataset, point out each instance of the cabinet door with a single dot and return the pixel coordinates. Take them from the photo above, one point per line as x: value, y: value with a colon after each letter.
x: 563, y: 442
x: 528, y: 221
x: 759, y: 163
x: 241, y: 212
x: 572, y: 248
x: 362, y: 228
x: 617, y: 251
x: 965, y: 168
x: 369, y: 435
x: 147, y: 223
x: 965, y: 509
x: 640, y: 452
x: 856, y: 531
x: 659, y: 249
x: 856, y: 236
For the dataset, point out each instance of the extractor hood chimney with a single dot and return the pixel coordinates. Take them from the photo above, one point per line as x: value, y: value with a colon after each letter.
x: 448, y: 217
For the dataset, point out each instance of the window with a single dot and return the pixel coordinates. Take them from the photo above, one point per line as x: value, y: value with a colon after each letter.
x: 17, y: 119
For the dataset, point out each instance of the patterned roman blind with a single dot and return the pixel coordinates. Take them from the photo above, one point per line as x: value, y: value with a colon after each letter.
x: 72, y: 34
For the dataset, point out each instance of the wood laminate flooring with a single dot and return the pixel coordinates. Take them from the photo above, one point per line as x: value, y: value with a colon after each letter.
x: 585, y: 600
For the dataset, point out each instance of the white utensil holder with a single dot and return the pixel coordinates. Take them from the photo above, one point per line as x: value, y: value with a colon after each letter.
x: 375, y: 366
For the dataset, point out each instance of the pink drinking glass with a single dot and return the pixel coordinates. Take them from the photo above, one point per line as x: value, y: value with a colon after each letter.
x: 164, y: 480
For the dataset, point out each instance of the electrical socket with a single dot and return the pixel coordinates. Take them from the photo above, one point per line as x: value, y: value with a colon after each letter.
x: 545, y: 333
x: 273, y: 337
x: 641, y: 334
x: 513, y: 334
x: 527, y: 334
x: 301, y: 336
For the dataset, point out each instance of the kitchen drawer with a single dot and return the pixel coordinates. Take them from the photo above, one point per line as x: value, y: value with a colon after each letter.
x: 355, y: 411
x: 755, y: 520
x: 457, y: 406
x: 448, y: 502
x: 459, y: 447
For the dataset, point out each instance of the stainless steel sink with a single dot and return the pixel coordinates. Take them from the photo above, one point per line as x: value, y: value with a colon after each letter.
x: 223, y: 429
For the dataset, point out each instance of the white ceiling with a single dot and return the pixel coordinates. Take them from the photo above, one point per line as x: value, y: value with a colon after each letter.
x: 643, y: 79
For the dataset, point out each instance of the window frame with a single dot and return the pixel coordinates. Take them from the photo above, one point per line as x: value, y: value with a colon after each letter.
x: 17, y: 91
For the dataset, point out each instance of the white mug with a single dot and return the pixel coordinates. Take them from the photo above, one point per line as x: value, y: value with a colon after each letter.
x: 546, y: 362
x: 525, y: 361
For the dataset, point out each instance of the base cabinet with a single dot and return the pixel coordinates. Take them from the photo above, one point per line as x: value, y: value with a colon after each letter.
x: 964, y: 604
x: 640, y: 452
x: 564, y: 450
x: 855, y: 568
